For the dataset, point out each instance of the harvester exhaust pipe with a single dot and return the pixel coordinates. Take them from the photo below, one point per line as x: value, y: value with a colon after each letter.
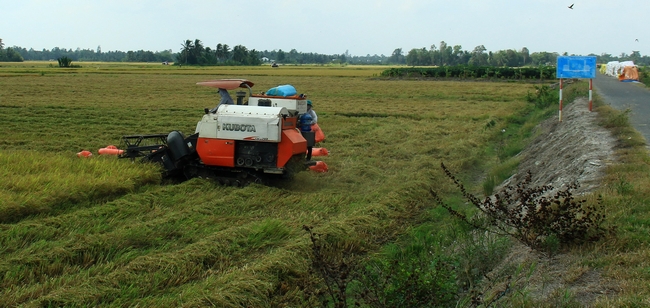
x: 240, y: 97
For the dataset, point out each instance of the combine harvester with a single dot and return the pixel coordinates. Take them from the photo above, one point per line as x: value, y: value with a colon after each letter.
x: 268, y: 139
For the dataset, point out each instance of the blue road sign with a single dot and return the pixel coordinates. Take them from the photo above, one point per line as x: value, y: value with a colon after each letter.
x: 576, y: 67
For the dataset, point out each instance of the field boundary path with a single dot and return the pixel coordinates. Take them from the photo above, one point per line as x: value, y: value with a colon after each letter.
x: 627, y: 95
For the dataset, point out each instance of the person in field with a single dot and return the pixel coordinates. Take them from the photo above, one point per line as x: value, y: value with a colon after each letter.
x: 311, y: 112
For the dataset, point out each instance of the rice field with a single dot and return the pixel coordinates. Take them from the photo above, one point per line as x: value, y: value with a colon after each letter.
x: 104, y: 232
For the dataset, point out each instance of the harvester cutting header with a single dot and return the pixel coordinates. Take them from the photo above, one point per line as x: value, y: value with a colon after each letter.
x: 236, y: 143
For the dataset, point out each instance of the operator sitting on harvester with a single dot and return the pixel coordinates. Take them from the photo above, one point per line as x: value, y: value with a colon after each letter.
x: 225, y: 97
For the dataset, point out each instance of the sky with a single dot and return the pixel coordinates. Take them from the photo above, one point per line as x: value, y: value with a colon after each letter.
x: 358, y: 27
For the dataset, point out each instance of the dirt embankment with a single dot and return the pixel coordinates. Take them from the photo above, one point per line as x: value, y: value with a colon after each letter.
x: 576, y: 149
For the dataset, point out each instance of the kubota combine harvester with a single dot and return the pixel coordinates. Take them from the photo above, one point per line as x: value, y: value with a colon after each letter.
x: 236, y: 143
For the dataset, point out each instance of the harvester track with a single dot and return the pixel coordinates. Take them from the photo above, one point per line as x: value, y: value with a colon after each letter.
x: 225, y: 176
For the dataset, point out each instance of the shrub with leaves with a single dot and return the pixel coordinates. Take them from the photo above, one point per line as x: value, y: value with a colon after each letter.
x: 543, y: 97
x: 532, y: 215
x: 417, y: 276
x: 64, y: 62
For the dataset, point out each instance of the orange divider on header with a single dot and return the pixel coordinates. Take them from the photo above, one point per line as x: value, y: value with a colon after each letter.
x: 320, y: 136
x: 110, y: 150
x: 320, y: 166
x: 319, y: 152
x: 84, y: 153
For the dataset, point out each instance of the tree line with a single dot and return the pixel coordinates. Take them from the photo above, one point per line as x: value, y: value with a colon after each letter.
x: 95, y: 55
x: 540, y: 72
x: 447, y: 55
x: 9, y: 54
x: 194, y: 52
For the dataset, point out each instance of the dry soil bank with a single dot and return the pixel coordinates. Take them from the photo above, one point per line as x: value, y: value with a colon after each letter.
x: 575, y: 149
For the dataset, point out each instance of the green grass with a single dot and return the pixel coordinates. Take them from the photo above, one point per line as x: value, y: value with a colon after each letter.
x: 103, y: 232
x: 516, y: 131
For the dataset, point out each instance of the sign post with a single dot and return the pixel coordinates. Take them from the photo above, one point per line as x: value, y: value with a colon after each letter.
x: 576, y: 67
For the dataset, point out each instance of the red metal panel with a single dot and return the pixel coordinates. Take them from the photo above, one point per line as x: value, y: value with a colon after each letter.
x: 292, y: 143
x: 290, y: 122
x: 216, y: 152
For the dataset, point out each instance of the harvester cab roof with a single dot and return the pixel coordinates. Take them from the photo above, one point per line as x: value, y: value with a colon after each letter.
x: 280, y: 96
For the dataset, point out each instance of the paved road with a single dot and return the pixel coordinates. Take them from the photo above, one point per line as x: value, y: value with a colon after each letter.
x: 626, y: 95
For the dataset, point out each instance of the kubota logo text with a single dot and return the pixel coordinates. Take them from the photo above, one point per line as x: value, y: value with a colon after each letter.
x: 238, y: 127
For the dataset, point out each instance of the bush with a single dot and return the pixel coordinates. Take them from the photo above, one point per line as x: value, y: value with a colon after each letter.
x: 544, y: 97
x: 414, y: 280
x: 528, y: 215
x: 413, y: 276
x: 64, y: 62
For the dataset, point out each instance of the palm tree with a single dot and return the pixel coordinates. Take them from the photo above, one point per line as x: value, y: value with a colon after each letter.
x: 225, y: 49
x: 196, y: 51
x: 525, y: 53
x: 219, y: 52
x: 240, y: 54
x: 188, y: 46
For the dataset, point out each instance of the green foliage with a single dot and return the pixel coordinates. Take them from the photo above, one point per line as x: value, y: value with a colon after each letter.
x: 502, y: 288
x: 489, y: 183
x: 644, y: 74
x: 546, y: 96
x: 64, y: 62
x: 417, y: 278
x: 427, y: 268
x: 543, y: 97
x: 618, y: 120
x: 623, y: 186
x: 531, y: 216
x: 619, y: 124
x: 473, y: 72
x: 498, y: 174
x: 418, y: 275
x: 508, y: 140
x: 10, y: 55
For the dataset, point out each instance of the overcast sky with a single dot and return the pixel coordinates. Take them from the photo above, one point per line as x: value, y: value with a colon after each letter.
x: 360, y: 27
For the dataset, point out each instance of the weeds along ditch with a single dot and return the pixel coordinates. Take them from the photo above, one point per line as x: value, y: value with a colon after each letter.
x: 102, y: 232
